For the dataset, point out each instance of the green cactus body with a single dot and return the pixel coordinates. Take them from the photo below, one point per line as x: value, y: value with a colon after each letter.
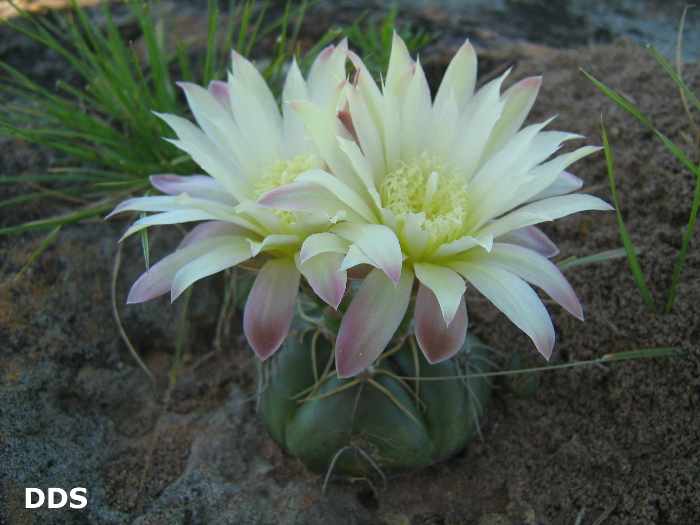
x: 376, y: 420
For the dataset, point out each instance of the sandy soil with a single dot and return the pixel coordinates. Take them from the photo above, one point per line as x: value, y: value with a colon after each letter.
x: 614, y: 444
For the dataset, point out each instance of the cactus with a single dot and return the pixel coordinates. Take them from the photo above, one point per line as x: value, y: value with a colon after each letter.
x: 376, y: 421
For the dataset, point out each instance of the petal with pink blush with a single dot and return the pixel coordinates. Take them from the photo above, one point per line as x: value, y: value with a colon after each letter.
x: 270, y: 306
x: 212, y: 229
x: 531, y: 238
x: 371, y: 320
x: 159, y: 278
x: 512, y: 296
x: 323, y: 273
x: 214, y: 261
x: 196, y: 186
x: 437, y: 340
x: 447, y: 285
x: 536, y: 270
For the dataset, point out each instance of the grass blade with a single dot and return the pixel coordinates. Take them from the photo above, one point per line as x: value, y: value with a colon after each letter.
x: 594, y: 258
x: 59, y: 221
x: 629, y: 247
x: 674, y: 76
x: 50, y: 237
x: 631, y: 109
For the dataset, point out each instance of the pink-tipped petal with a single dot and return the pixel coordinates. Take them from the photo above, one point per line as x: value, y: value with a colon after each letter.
x: 437, y: 340
x: 225, y: 255
x: 196, y: 186
x: 536, y: 270
x: 531, y: 238
x: 447, y: 285
x: 211, y: 229
x: 159, y: 278
x: 219, y: 90
x: 519, y: 99
x: 371, y: 320
x: 270, y: 307
x: 325, y: 276
x: 512, y: 296
x: 565, y: 183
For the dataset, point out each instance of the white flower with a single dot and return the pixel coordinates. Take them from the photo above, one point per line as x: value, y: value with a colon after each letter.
x: 247, y: 148
x: 448, y: 191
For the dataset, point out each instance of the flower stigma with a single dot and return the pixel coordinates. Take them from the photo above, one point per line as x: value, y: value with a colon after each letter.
x: 426, y: 185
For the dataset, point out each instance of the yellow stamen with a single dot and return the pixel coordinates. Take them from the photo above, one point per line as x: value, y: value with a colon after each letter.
x: 425, y: 184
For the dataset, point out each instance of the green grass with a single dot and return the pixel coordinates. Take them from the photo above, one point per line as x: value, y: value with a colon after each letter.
x: 372, y: 39
x: 694, y: 168
x: 107, y: 131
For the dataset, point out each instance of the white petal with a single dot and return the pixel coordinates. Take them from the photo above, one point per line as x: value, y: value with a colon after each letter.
x: 208, y: 264
x: 542, y: 211
x: 169, y: 217
x: 159, y: 278
x: 327, y: 71
x: 341, y: 191
x: 458, y: 82
x: 416, y: 118
x: 321, y: 243
x: 536, y: 270
x: 378, y: 242
x: 307, y: 197
x: 216, y: 162
x: 294, y: 89
x: 519, y: 99
x: 512, y: 296
x: 212, y: 229
x: 565, y: 183
x: 197, y: 186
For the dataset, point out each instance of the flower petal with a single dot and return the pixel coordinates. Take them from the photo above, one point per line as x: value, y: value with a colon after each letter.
x: 197, y: 186
x: 270, y: 307
x: 565, y: 183
x: 378, y: 242
x: 512, y: 296
x: 531, y: 238
x: 370, y: 321
x: 519, y: 99
x: 322, y: 243
x: 437, y: 340
x: 537, y: 270
x: 220, y: 258
x: 159, y: 278
x: 459, y: 80
x: 327, y: 71
x: 307, y: 197
x: 168, y: 217
x: 323, y: 273
x: 542, y: 211
x: 212, y: 229
x: 341, y: 190
x: 447, y: 285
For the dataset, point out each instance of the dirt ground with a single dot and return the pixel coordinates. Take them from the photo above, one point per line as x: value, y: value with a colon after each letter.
x: 615, y: 444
